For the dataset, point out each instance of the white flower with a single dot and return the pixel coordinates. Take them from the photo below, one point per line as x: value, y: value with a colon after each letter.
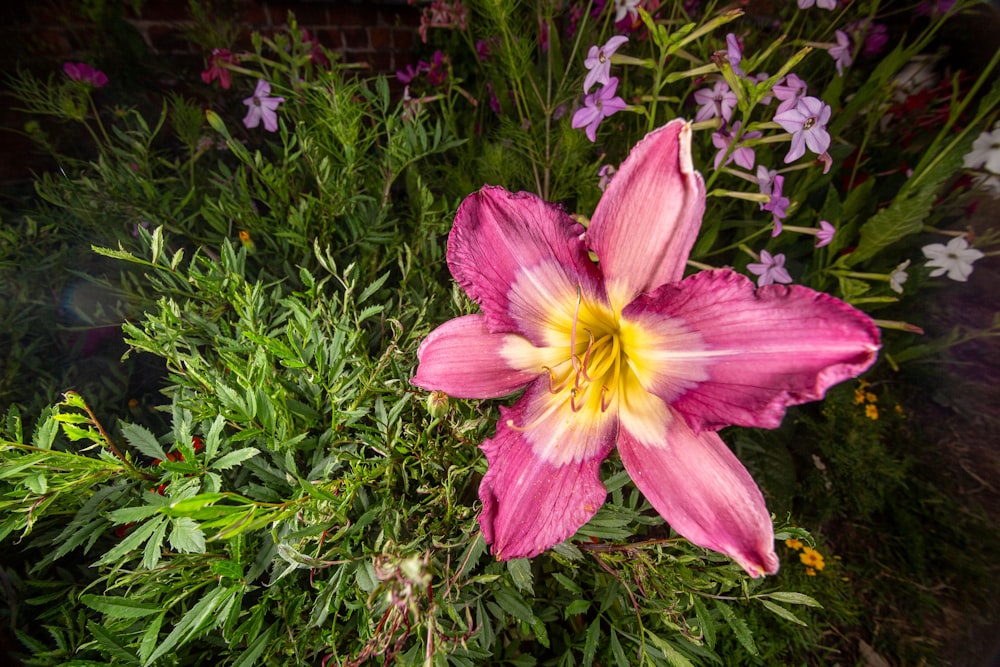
x: 625, y: 8
x: 985, y: 152
x: 898, y: 277
x: 955, y: 259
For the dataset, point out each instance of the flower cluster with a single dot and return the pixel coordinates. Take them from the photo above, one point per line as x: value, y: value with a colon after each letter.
x: 808, y: 556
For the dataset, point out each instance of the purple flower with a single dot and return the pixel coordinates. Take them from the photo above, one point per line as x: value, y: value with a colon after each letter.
x: 715, y: 102
x: 262, y: 107
x: 822, y: 4
x: 407, y: 75
x: 765, y: 180
x: 626, y: 352
x: 743, y: 156
x: 807, y: 123
x: 825, y: 233
x: 86, y: 74
x: 598, y: 62
x: 606, y: 173
x: 934, y: 7
x: 778, y: 205
x: 734, y: 53
x: 841, y: 53
x: 597, y: 106
x: 437, y: 71
x: 789, y: 90
x: 876, y: 37
x: 770, y: 269
x: 493, y: 99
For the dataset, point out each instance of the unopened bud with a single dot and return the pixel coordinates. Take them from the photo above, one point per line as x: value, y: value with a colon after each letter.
x: 437, y: 403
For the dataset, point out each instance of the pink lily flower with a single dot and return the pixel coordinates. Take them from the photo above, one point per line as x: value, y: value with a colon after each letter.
x: 627, y: 353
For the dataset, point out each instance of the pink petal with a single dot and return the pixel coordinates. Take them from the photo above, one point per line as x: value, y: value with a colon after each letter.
x: 756, y: 350
x: 648, y: 219
x: 704, y: 493
x: 543, y: 479
x: 463, y: 359
x: 520, y: 258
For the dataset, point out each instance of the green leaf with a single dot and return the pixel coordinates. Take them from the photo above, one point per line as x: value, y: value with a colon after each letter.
x: 739, y: 628
x: 37, y: 483
x: 154, y: 547
x: 790, y: 597
x: 781, y: 611
x: 132, y: 514
x: 186, y: 536
x: 131, y: 541
x: 143, y: 440
x: 200, y: 617
x: 673, y: 656
x: 234, y: 458
x: 111, y: 644
x: 576, y: 607
x: 149, y: 637
x: 118, y: 607
x: 590, y: 642
x: 520, y: 574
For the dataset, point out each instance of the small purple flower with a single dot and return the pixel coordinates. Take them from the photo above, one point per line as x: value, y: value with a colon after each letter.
x: 135, y: 228
x: 262, y: 107
x: 437, y: 71
x: 765, y: 180
x: 789, y: 90
x: 825, y: 233
x: 598, y: 62
x: 407, y: 75
x: 743, y: 156
x: 606, y: 173
x: 822, y: 4
x: 86, y: 74
x: 842, y: 52
x: 876, y: 37
x: 597, y: 106
x: 778, y: 206
x: 493, y: 99
x: 715, y: 102
x: 770, y: 269
x: 807, y: 123
x: 734, y: 53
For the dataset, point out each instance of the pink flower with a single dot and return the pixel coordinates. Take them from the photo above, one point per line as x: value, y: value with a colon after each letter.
x: 778, y: 206
x: 715, y: 102
x: 598, y: 62
x: 734, y: 53
x: 597, y: 106
x: 825, y: 233
x: 822, y: 4
x: 842, y: 52
x: 628, y: 353
x: 807, y: 123
x: 743, y: 156
x: 86, y: 74
x: 789, y: 91
x: 216, y: 67
x: 262, y: 107
x: 770, y: 270
x: 765, y: 180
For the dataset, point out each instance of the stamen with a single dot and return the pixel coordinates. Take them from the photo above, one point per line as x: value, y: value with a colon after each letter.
x: 572, y: 401
x: 604, y: 394
x: 553, y: 388
x: 586, y: 358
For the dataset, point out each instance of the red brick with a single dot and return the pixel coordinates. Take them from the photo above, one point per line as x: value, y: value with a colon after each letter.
x: 404, y: 39
x: 352, y: 15
x: 380, y: 38
x: 166, y: 39
x: 354, y: 38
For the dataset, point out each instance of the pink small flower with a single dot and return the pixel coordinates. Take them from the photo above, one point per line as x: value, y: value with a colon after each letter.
x: 734, y: 53
x: 598, y: 62
x: 743, y: 156
x: 406, y: 76
x: 789, y: 90
x: 715, y: 102
x: 597, y: 106
x: 85, y: 74
x: 765, y: 180
x: 606, y: 173
x: 217, y: 67
x: 825, y: 233
x: 770, y: 269
x: 807, y: 123
x: 875, y: 39
x: 262, y: 107
x: 438, y: 70
x: 778, y: 206
x: 842, y: 52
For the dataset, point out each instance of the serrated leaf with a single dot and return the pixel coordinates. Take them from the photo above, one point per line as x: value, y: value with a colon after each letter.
x: 200, y: 617
x: 576, y: 607
x: 131, y: 541
x: 132, y: 514
x: 520, y: 573
x: 149, y: 637
x: 186, y: 536
x: 234, y: 458
x: 590, y: 641
x: 739, y: 628
x: 37, y: 483
x: 154, y: 546
x: 111, y: 644
x: 118, y: 607
x: 143, y: 440
x: 778, y: 610
x: 790, y: 597
x: 673, y: 656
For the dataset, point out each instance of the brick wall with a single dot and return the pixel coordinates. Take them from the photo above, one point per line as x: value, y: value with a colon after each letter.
x: 39, y: 35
